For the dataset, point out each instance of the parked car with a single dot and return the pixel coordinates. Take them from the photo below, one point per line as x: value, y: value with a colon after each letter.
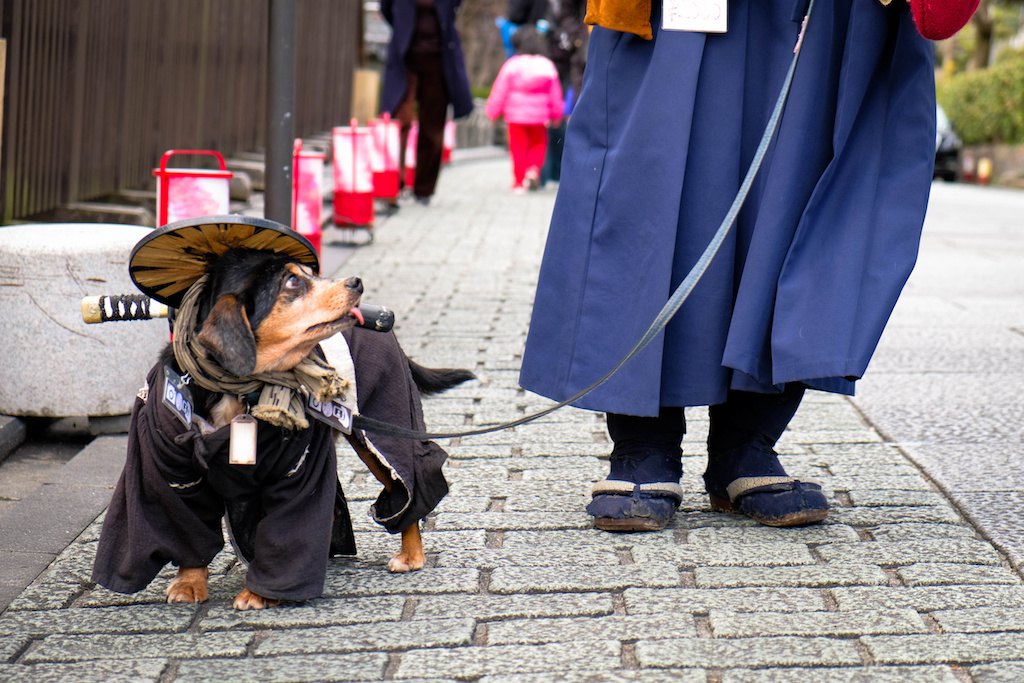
x: 947, y: 148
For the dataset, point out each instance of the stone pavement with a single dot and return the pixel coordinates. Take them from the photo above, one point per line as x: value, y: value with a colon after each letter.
x: 518, y: 588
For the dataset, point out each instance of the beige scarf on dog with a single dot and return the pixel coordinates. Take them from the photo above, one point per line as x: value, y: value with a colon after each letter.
x: 283, y: 395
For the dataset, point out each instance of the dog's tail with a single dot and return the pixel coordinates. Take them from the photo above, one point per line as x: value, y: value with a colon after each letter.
x: 435, y: 380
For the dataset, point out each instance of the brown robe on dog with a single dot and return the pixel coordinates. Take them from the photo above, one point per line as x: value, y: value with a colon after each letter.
x: 287, y: 513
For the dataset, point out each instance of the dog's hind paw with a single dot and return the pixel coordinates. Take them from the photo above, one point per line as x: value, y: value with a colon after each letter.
x: 247, y: 600
x: 189, y: 586
x: 403, y: 563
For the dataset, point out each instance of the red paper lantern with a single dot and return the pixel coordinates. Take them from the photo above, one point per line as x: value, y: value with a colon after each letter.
x: 387, y: 146
x: 307, y: 193
x: 353, y: 175
x: 191, y: 192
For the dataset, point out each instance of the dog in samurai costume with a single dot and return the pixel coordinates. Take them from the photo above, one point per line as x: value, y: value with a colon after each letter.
x: 239, y: 417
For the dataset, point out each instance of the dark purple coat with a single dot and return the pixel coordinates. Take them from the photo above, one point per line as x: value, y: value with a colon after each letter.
x: 401, y: 14
x: 287, y: 513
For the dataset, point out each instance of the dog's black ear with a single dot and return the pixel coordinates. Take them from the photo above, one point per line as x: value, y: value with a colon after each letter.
x: 227, y: 336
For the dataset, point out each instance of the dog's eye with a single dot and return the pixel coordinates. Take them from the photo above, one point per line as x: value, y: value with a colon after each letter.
x: 292, y: 282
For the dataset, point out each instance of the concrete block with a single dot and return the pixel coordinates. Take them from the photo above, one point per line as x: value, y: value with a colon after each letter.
x: 102, y: 212
x: 912, y: 531
x: 744, y: 652
x: 363, y: 666
x: 470, y: 663
x: 240, y: 186
x: 958, y: 648
x: 928, y: 598
x: 558, y: 580
x: 753, y: 554
x: 816, y: 534
x: 575, y: 630
x: 859, y: 674
x: 11, y: 645
x: 65, y: 367
x: 890, y: 497
x: 130, y: 646
x: 980, y: 620
x: 121, y: 671
x: 998, y: 672
x: 510, y: 521
x: 254, y: 169
x: 875, y: 516
x: 395, y: 635
x: 485, y: 558
x: 585, y: 538
x: 312, y: 614
x: 606, y: 676
x: 12, y: 435
x: 492, y: 607
x: 861, y: 622
x: 30, y: 526
x: 51, y: 592
x: 132, y: 618
x: 832, y: 574
x: 702, y: 601
x: 953, y: 550
x: 17, y: 570
x: 342, y: 581
x: 952, y: 573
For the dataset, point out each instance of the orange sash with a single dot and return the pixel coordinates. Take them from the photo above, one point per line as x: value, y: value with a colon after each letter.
x: 628, y: 16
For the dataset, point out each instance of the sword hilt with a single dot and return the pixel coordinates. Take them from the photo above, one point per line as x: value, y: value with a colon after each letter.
x: 120, y: 307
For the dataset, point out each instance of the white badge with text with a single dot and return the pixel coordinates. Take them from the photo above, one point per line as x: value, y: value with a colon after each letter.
x: 242, y: 440
x: 703, y: 16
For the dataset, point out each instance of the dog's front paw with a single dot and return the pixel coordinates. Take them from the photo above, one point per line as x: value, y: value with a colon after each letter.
x: 190, y: 585
x: 247, y: 600
x: 405, y: 562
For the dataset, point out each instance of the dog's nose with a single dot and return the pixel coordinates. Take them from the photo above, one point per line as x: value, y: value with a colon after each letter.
x: 355, y: 284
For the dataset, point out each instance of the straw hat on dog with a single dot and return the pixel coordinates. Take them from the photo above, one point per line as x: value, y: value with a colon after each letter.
x: 167, y: 261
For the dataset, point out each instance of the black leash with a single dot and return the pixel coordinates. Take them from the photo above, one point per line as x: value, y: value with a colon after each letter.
x: 670, y: 308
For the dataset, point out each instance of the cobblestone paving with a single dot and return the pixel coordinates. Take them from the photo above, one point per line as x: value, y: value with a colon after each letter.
x: 519, y: 588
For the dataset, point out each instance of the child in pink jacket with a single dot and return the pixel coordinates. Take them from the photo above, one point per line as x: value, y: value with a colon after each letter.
x: 528, y: 94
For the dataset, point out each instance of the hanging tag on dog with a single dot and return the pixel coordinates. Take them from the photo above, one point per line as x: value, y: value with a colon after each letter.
x: 701, y: 16
x: 242, y: 444
x: 333, y: 413
x: 177, y: 397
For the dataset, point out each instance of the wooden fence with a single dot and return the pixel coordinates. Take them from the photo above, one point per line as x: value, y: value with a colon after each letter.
x: 97, y: 90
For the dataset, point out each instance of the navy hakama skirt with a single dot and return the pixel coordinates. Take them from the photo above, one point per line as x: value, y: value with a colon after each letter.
x: 656, y: 149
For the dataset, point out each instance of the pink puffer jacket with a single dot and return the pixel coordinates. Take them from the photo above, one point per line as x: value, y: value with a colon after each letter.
x: 526, y: 91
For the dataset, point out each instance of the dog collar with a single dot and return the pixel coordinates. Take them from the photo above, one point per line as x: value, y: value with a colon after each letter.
x: 250, y: 399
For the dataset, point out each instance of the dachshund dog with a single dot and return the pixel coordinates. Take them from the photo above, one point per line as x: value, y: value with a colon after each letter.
x: 260, y: 315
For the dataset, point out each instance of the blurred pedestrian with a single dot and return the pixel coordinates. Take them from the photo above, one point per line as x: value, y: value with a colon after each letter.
x: 527, y: 93
x: 567, y: 48
x: 425, y: 72
x: 521, y: 13
x: 664, y: 129
x: 526, y: 12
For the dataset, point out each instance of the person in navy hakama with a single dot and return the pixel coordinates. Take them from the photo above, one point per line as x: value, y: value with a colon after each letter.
x: 798, y: 296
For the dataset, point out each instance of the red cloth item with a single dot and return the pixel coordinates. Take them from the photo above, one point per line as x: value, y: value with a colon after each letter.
x: 939, y: 19
x: 527, y: 145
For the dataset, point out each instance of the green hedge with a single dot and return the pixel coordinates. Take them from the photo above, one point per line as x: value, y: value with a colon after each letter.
x: 987, y: 106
